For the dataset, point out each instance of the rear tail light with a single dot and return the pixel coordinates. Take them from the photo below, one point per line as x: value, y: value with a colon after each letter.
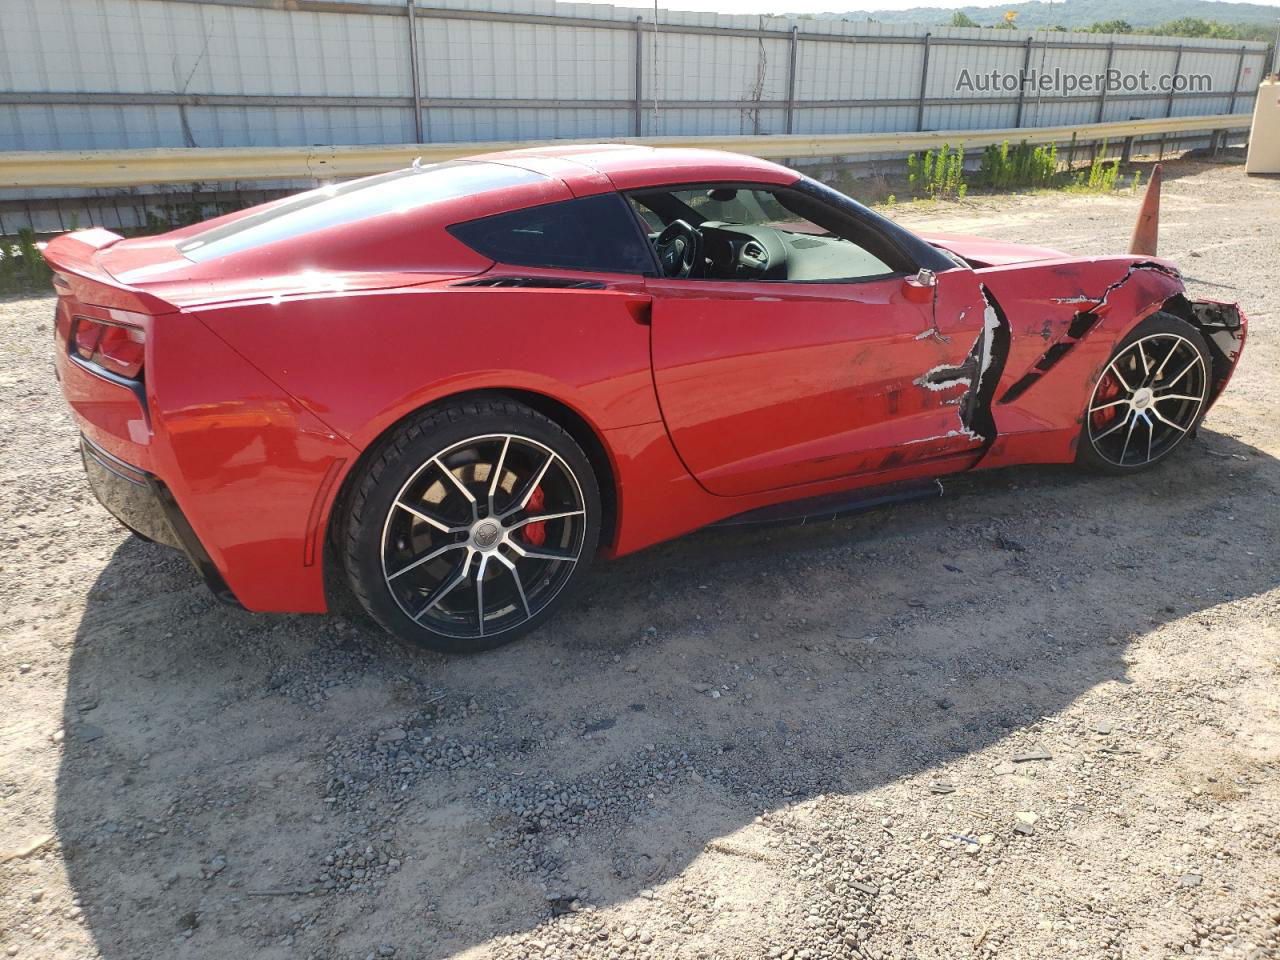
x: 115, y: 347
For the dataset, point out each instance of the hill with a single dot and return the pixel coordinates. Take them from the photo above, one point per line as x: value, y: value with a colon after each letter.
x: 1078, y: 14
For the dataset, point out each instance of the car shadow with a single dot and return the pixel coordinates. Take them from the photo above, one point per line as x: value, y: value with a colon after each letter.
x: 235, y: 783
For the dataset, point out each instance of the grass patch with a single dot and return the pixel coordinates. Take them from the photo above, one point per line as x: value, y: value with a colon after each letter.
x: 941, y: 175
x: 22, y: 265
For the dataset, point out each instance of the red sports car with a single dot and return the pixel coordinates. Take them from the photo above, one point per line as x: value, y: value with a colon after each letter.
x: 457, y: 384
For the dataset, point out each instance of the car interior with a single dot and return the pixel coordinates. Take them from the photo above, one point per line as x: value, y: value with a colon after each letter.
x: 748, y: 233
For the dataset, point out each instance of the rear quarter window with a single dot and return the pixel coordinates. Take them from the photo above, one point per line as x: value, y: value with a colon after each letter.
x: 396, y: 192
x: 589, y: 233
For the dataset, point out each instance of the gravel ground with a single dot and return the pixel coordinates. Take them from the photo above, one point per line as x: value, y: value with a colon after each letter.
x: 1038, y: 718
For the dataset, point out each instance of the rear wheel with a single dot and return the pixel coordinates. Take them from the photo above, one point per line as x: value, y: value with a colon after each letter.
x: 471, y: 523
x: 1150, y: 397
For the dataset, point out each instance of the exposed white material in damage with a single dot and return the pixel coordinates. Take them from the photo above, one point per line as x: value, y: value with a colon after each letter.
x: 940, y: 385
x: 990, y: 323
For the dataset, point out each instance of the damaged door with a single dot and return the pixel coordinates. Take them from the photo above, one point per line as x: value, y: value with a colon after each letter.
x: 769, y: 385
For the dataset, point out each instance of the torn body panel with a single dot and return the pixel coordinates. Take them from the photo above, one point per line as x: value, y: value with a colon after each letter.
x: 1223, y: 327
x: 972, y: 382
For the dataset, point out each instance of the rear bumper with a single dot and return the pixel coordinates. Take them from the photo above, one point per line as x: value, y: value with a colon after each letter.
x: 142, y: 502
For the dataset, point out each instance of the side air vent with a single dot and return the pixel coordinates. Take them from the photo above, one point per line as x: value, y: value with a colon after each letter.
x: 562, y: 283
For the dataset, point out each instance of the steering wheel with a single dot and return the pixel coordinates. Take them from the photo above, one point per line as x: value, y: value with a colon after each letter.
x: 679, y: 247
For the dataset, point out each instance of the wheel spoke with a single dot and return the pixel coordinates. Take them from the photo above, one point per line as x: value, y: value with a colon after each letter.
x: 462, y: 487
x: 1107, y: 406
x: 1116, y: 373
x: 445, y: 588
x: 1167, y: 357
x: 1151, y: 435
x: 1166, y: 421
x: 541, y: 517
x: 1127, y: 437
x: 1146, y: 367
x: 532, y: 486
x: 1185, y: 370
x: 425, y: 559
x: 428, y: 519
x: 542, y: 553
x: 1175, y: 396
x: 484, y: 563
x: 497, y: 472
x: 1110, y: 430
x: 515, y: 576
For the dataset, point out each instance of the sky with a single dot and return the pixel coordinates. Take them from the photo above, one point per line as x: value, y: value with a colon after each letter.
x: 821, y: 6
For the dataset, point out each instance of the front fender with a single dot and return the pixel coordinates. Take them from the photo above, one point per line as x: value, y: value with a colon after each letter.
x: 1066, y: 318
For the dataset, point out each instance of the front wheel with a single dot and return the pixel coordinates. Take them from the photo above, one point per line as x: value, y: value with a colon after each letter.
x: 1149, y: 398
x: 470, y: 523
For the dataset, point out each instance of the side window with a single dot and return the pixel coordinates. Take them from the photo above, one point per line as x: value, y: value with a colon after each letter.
x: 589, y: 233
x: 763, y: 234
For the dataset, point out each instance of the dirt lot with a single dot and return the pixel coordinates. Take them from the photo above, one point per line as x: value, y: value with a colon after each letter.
x: 799, y: 743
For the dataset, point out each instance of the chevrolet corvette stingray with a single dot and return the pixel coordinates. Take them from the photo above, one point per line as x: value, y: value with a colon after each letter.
x: 453, y: 386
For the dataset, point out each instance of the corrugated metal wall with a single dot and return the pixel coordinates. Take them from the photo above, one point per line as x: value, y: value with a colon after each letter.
x: 97, y: 74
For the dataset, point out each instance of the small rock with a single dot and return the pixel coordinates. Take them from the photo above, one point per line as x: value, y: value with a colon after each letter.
x: 1191, y: 880
x: 37, y: 896
x: 1027, y: 817
x: 714, y: 694
x: 24, y: 668
x: 982, y: 887
x: 701, y: 687
x: 1003, y: 769
x: 1025, y: 829
x: 1035, y: 753
x: 393, y: 735
x: 189, y: 920
x: 386, y: 950
x: 942, y: 786
x: 870, y: 889
x: 629, y: 933
x: 1103, y: 727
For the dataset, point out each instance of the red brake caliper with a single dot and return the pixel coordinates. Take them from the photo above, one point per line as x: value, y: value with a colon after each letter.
x: 535, y: 534
x: 1108, y: 390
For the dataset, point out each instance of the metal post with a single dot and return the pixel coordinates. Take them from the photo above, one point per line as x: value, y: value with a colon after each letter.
x: 1022, y: 83
x: 791, y: 81
x: 924, y: 82
x: 413, y: 69
x: 1231, y: 108
x: 1106, y: 73
x: 1173, y: 81
x: 637, y: 121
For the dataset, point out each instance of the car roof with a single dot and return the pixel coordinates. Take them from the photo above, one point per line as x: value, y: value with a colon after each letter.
x: 591, y: 168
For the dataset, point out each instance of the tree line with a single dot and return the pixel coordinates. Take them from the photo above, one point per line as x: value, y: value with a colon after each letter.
x: 1182, y: 27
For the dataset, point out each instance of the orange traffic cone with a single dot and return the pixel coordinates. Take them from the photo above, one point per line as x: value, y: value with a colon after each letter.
x: 1146, y: 230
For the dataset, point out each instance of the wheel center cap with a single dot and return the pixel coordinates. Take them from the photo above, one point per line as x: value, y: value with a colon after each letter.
x: 1142, y: 398
x: 485, y: 534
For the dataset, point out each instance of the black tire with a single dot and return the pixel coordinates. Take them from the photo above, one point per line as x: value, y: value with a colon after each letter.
x: 454, y: 495
x: 1135, y: 409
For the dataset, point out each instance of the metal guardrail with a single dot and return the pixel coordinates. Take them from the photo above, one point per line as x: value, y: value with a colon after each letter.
x: 133, y: 168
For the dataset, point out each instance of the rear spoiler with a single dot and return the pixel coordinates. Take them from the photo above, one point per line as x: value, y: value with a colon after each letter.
x: 73, y: 259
